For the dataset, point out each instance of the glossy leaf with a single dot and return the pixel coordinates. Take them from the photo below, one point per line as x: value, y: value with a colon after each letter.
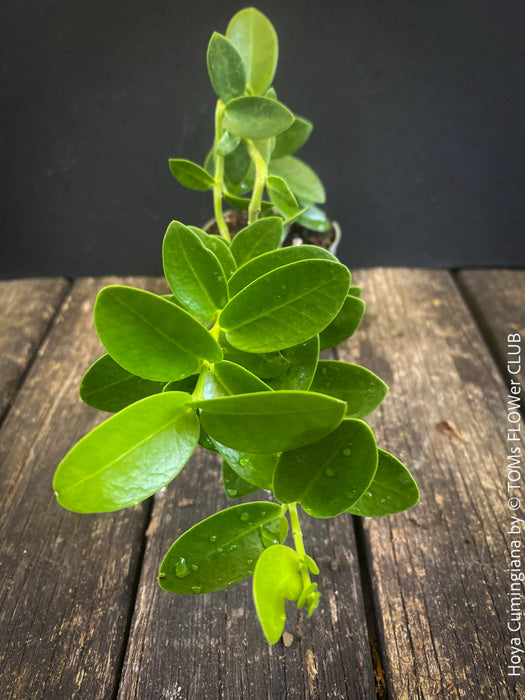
x: 362, y: 390
x: 234, y: 485
x: 223, y: 549
x: 227, y: 144
x: 392, y: 490
x: 354, y: 291
x: 301, y: 179
x: 314, y: 219
x: 109, y: 387
x: 303, y: 362
x: 151, y: 337
x: 255, y: 39
x: 263, y: 365
x: 271, y: 93
x: 327, y: 478
x: 276, y: 578
x: 257, y: 469
x: 227, y: 378
x: 129, y: 457
x: 190, y: 175
x: 267, y: 262
x: 293, y: 138
x: 280, y: 195
x: 243, y: 203
x: 194, y: 273
x: 270, y: 421
x: 225, y: 68
x: 237, y: 164
x: 219, y: 247
x: 344, y: 324
x: 286, y: 306
x: 257, y: 238
x: 256, y: 117
x: 265, y: 148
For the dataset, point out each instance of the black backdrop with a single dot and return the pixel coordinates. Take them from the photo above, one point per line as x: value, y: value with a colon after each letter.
x: 417, y: 106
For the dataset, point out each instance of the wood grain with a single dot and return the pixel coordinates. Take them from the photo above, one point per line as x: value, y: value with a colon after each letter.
x: 26, y: 308
x: 439, y: 571
x: 210, y: 646
x: 68, y: 580
x: 497, y: 299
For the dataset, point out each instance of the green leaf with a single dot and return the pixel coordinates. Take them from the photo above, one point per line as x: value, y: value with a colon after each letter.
x: 223, y: 549
x: 314, y: 219
x: 219, y: 247
x: 263, y: 365
x: 187, y: 384
x: 267, y: 262
x: 257, y: 238
x: 129, y: 457
x: 280, y: 195
x: 225, y: 68
x: 344, y: 324
x: 362, y: 390
x: 271, y: 94
x: 265, y: 148
x: 109, y: 387
x: 286, y: 306
x: 277, y: 577
x: 194, y: 273
x: 301, y: 179
x: 354, y: 291
x: 270, y: 421
x: 227, y: 144
x: 151, y: 337
x: 227, y: 378
x: 256, y: 469
x: 256, y: 117
x: 190, y: 175
x: 392, y: 490
x: 293, y: 138
x: 255, y: 39
x: 327, y: 478
x: 234, y: 485
x: 237, y: 164
x: 303, y: 362
x: 243, y: 203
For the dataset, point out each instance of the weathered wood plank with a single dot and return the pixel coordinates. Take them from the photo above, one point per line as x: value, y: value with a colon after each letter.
x: 497, y: 299
x: 26, y: 307
x: 440, y: 571
x: 68, y: 580
x: 210, y: 646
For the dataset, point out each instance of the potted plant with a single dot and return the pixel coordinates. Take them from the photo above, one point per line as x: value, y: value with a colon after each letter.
x: 230, y: 360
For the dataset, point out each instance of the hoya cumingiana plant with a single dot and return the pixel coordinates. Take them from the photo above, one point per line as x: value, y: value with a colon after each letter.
x: 229, y: 360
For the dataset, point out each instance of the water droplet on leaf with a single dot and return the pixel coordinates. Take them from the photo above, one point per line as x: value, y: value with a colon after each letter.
x: 347, y: 451
x: 181, y: 568
x: 330, y: 471
x: 244, y: 461
x: 245, y: 516
x: 196, y: 589
x: 213, y: 538
x: 194, y: 567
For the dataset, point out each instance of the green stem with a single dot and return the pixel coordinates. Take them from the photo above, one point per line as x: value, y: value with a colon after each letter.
x: 297, y: 535
x: 261, y: 175
x: 198, y: 391
x: 219, y: 175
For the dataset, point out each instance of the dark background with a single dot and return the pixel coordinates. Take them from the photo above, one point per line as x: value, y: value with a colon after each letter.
x: 418, y: 110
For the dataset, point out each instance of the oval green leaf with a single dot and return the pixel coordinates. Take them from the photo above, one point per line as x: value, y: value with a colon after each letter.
x: 228, y: 378
x: 234, y: 485
x: 344, y: 324
x: 263, y: 365
x: 151, y: 337
x: 257, y: 469
x: 256, y: 117
x: 267, y: 262
x: 280, y: 195
x: 286, y: 306
x: 277, y: 577
x: 219, y: 247
x: 227, y: 144
x: 109, y: 387
x: 190, y: 175
x: 243, y: 203
x: 293, y: 138
x: 225, y: 68
x: 303, y: 362
x: 223, y: 549
x: 257, y: 238
x: 392, y: 490
x: 301, y: 179
x: 270, y: 421
x: 314, y: 219
x: 194, y: 273
x: 255, y: 39
x: 362, y: 390
x: 129, y: 457
x: 328, y: 477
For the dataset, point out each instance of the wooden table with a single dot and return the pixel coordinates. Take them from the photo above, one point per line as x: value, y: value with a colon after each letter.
x: 413, y: 606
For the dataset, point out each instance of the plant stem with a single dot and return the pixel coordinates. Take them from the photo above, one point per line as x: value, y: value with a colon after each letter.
x: 297, y: 535
x: 219, y: 175
x: 261, y: 174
